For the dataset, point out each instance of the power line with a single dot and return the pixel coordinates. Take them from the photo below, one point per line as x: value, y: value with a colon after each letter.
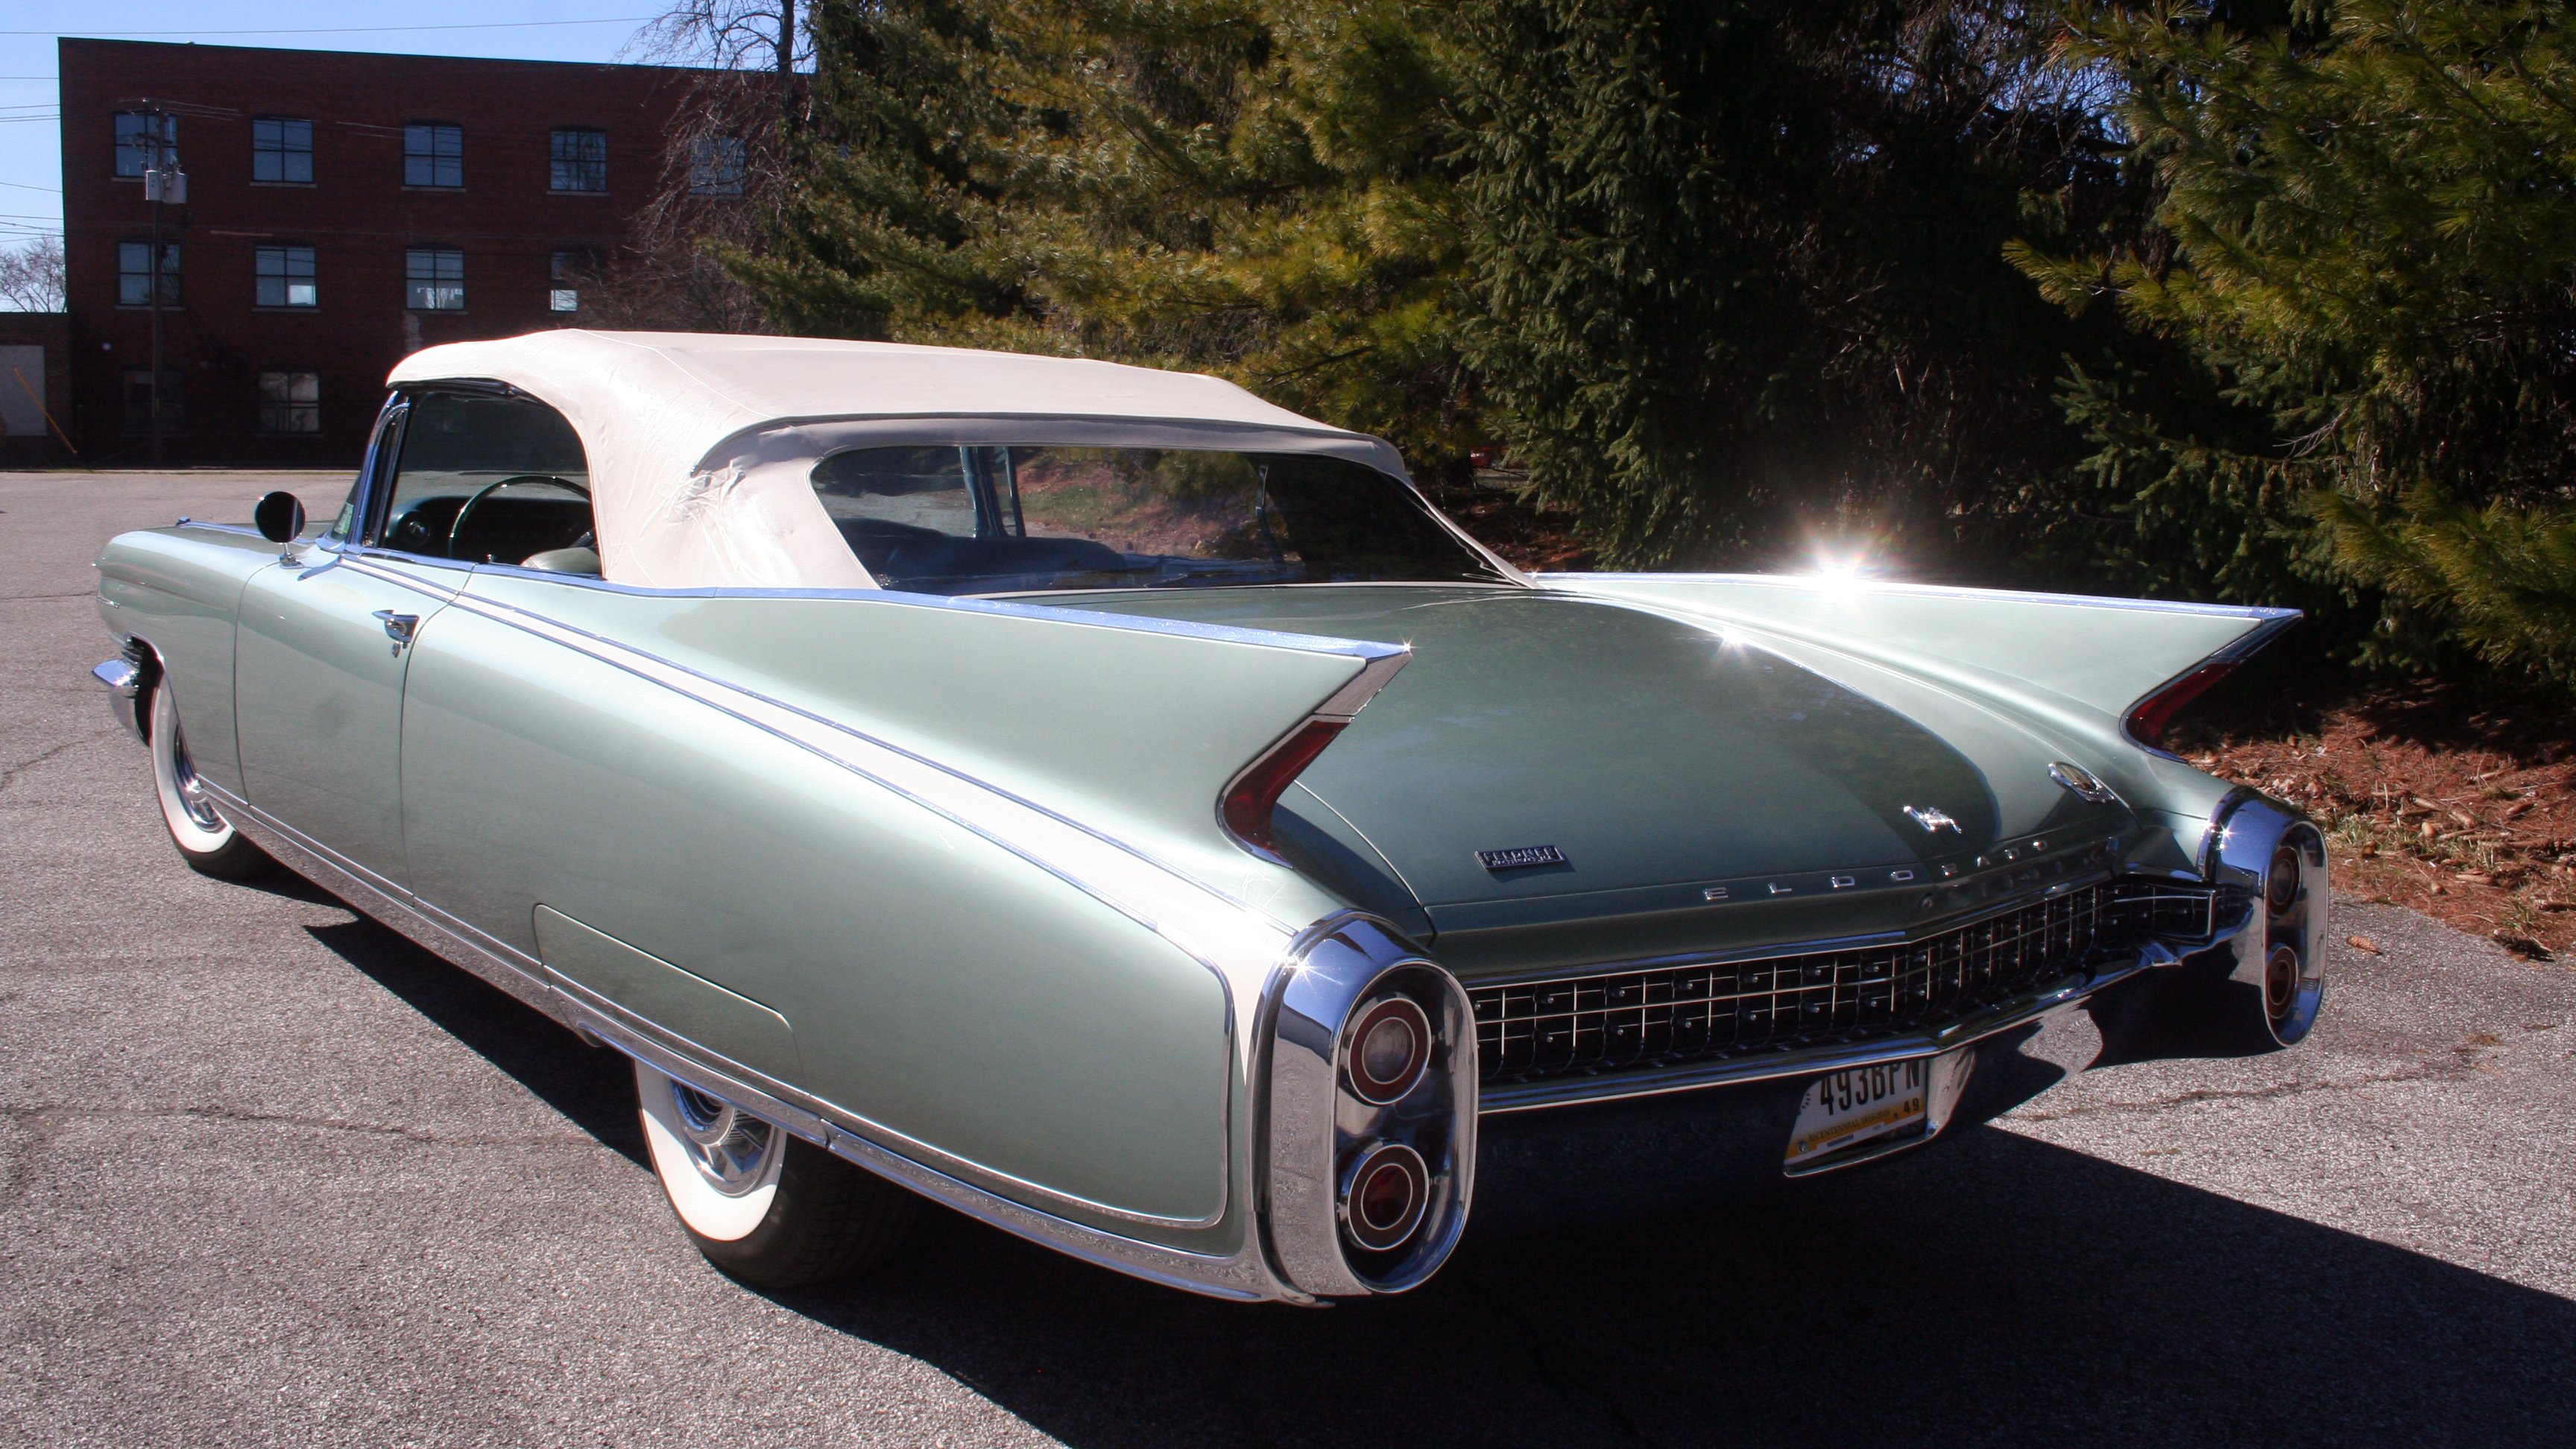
x: 334, y: 29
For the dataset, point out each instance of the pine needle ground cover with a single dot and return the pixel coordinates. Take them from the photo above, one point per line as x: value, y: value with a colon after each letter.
x: 2447, y: 799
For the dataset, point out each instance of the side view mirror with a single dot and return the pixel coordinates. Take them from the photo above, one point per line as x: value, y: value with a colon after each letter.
x: 280, y: 517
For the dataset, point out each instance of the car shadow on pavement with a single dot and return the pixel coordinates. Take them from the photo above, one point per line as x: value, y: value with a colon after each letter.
x: 592, y: 1087
x: 1987, y: 1290
x: 1993, y: 1290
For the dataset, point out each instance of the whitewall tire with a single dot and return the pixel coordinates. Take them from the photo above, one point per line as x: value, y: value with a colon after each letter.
x: 206, y: 840
x: 764, y: 1206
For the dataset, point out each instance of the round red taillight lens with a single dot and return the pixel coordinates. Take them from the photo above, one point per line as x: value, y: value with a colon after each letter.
x: 2281, y: 888
x: 1389, y: 1191
x: 1390, y: 1047
x: 2280, y: 982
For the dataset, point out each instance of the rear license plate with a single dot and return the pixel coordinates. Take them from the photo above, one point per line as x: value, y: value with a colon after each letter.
x: 1849, y: 1108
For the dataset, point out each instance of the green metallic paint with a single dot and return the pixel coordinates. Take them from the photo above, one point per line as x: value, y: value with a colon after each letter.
x: 319, y: 702
x: 1132, y: 732
x: 178, y: 589
x: 731, y: 1024
x: 937, y: 985
x: 1004, y: 1025
x: 1665, y: 754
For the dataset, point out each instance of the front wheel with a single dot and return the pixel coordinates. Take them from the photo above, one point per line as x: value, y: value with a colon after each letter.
x: 763, y: 1206
x: 206, y: 840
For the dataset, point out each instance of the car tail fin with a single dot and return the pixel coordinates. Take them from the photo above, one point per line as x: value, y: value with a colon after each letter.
x: 2117, y: 665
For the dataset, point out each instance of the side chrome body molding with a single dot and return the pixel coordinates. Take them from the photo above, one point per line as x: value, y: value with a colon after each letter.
x: 1356, y: 953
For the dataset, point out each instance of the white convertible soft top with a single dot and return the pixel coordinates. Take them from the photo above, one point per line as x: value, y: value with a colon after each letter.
x: 700, y: 445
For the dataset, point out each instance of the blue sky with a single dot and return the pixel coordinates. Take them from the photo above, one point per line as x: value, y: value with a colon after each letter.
x: 31, y: 145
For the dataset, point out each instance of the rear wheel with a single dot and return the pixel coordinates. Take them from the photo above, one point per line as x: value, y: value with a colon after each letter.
x: 206, y: 840
x: 765, y: 1207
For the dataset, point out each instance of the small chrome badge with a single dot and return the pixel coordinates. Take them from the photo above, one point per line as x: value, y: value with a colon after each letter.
x: 1713, y: 893
x: 1932, y: 818
x: 2086, y: 785
x: 1520, y: 857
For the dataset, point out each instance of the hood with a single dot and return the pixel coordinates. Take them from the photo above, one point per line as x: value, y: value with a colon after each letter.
x: 1622, y: 749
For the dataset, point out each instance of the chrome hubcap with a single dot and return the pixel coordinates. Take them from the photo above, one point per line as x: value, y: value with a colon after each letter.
x: 192, y: 795
x: 731, y: 1147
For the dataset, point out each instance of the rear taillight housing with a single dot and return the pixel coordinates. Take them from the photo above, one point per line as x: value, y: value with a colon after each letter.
x: 2149, y: 717
x: 1249, y: 801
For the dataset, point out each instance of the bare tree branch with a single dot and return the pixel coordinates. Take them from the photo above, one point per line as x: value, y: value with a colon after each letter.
x: 31, y: 276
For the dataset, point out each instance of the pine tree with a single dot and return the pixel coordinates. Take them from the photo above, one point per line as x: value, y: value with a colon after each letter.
x: 2365, y: 250
x: 1248, y: 188
x: 1741, y: 277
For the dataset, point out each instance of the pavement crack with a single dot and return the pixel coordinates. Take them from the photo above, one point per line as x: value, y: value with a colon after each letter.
x: 2454, y: 1071
x: 76, y: 594
x: 41, y: 1116
x: 10, y: 775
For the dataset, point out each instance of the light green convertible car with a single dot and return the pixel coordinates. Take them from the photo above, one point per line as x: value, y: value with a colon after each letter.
x: 1126, y: 812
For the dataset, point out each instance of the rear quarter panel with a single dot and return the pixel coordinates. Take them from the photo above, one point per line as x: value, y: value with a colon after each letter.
x: 992, y: 1019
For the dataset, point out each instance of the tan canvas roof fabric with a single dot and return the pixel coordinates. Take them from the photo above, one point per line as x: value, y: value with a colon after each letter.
x: 699, y: 444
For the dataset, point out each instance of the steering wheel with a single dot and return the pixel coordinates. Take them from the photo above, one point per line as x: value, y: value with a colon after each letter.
x: 456, y: 529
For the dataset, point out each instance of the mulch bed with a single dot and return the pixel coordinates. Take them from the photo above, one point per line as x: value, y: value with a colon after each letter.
x: 2457, y: 801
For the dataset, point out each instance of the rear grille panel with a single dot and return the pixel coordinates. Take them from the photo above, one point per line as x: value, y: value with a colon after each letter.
x: 1671, y: 1015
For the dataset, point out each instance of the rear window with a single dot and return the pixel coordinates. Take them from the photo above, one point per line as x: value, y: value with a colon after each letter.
x: 967, y: 520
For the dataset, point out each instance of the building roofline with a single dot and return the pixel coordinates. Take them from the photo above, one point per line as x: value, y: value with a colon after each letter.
x: 68, y: 42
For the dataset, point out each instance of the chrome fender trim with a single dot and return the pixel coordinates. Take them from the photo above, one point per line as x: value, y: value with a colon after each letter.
x: 1308, y: 1123
x: 2247, y: 833
x: 1242, y: 1275
x: 389, y: 904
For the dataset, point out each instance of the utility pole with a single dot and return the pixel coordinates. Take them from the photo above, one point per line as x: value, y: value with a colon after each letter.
x: 787, y: 60
x: 163, y: 181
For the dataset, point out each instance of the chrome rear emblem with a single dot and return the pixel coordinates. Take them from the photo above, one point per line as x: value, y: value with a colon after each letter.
x: 1932, y: 818
x: 2086, y: 785
x: 1520, y: 857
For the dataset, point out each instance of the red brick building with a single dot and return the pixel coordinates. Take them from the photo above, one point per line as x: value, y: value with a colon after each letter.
x: 341, y: 210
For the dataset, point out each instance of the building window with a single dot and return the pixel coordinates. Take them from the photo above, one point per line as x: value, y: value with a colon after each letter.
x: 286, y: 277
x: 134, y: 274
x: 436, y: 278
x: 134, y: 134
x: 433, y: 155
x: 281, y: 149
x: 290, y: 402
x: 580, y: 161
x: 715, y: 166
x: 568, y: 270
x: 138, y: 400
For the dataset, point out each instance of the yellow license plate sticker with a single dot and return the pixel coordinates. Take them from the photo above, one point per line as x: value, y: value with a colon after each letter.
x: 1853, y: 1107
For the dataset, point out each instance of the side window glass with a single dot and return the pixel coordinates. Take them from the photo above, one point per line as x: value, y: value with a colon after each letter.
x: 898, y: 504
x: 491, y: 479
x: 377, y: 462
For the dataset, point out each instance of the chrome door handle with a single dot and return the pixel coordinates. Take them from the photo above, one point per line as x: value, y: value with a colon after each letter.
x: 398, y: 627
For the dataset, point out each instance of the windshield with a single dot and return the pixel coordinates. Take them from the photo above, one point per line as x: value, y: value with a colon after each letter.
x: 989, y: 520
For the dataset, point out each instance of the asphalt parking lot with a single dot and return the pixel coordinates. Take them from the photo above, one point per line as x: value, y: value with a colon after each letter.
x: 271, y: 1175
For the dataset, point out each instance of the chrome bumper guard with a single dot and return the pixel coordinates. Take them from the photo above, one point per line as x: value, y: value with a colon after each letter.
x: 125, y: 680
